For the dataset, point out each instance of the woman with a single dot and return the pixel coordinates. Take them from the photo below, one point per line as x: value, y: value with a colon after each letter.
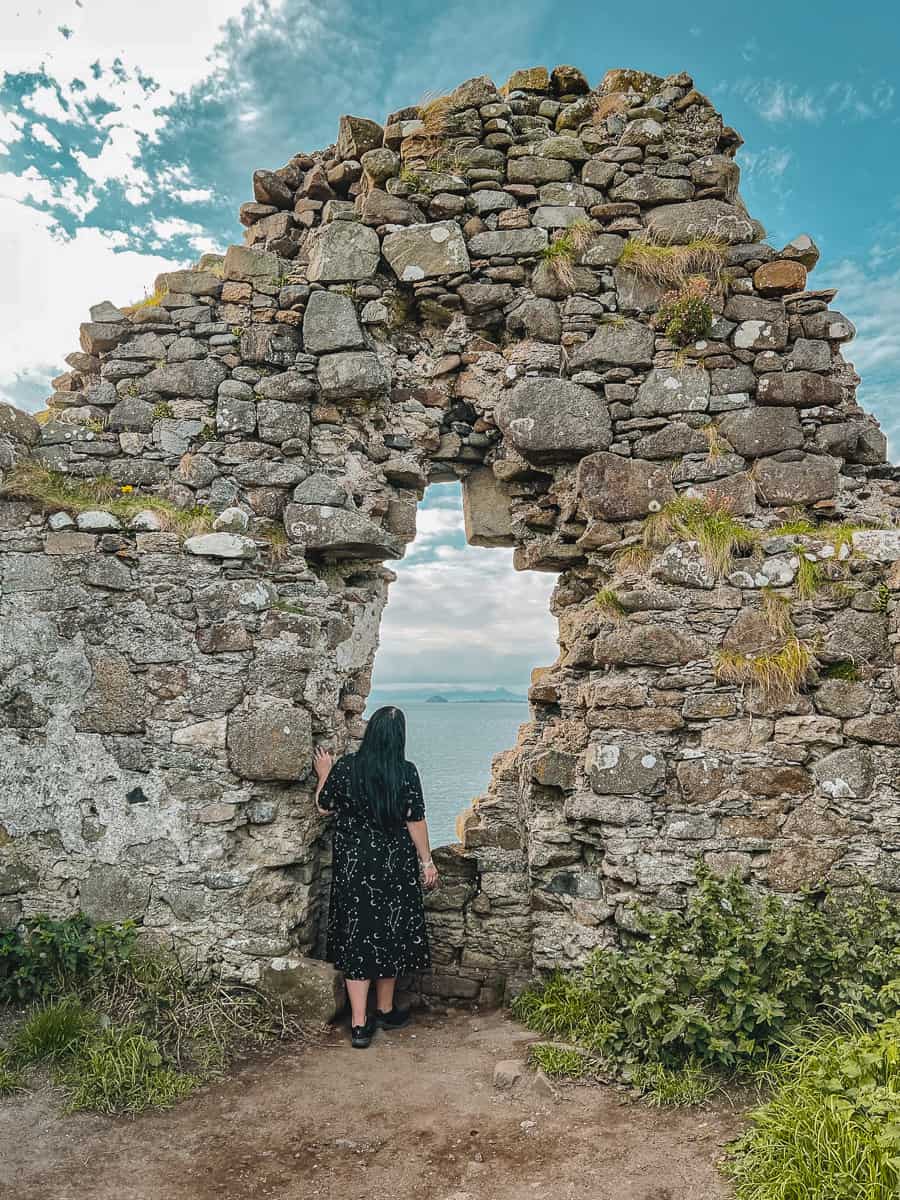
x: 376, y: 923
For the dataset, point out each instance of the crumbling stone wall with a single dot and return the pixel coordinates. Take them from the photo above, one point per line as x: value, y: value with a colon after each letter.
x: 407, y: 308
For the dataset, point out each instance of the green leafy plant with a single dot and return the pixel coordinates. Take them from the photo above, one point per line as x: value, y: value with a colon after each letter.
x: 162, y: 411
x: 721, y: 983
x: 410, y: 177
x: 831, y: 1124
x: 670, y: 265
x: 844, y: 669
x: 44, y: 957
x: 685, y: 315
x: 126, y: 1028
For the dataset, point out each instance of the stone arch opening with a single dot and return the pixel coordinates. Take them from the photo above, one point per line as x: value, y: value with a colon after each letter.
x: 476, y: 289
x: 460, y: 622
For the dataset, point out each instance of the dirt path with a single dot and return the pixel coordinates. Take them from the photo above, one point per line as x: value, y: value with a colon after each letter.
x: 415, y: 1115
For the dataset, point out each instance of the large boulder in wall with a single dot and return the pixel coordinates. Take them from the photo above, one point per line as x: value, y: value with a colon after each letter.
x: 270, y: 741
x: 678, y: 224
x: 554, y: 420
x: 339, y: 532
x: 486, y: 510
x: 622, y: 489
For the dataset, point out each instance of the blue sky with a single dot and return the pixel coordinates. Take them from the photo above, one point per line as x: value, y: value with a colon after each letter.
x: 128, y: 135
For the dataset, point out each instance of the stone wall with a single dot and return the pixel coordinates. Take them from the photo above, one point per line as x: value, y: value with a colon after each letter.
x: 469, y: 291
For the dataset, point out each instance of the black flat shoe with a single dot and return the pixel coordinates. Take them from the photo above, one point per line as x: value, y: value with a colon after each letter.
x: 395, y: 1019
x: 361, y: 1035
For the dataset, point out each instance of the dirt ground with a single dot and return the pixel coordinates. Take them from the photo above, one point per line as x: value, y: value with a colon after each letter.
x: 416, y: 1115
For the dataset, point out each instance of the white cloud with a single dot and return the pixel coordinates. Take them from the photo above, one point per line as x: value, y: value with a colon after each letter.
x: 463, y: 613
x: 193, y: 195
x: 12, y: 126
x: 768, y: 161
x: 51, y: 284
x: 31, y: 185
x: 872, y: 301
x: 118, y: 159
x: 45, y: 102
x: 173, y: 45
x: 42, y: 134
x: 778, y: 101
x: 170, y: 227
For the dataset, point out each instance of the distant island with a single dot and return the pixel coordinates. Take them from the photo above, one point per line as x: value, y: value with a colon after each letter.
x: 500, y: 695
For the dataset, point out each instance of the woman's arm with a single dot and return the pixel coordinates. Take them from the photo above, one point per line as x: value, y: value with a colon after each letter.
x: 322, y: 763
x: 418, y: 831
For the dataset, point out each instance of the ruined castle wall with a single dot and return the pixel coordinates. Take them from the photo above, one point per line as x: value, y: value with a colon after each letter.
x: 453, y: 294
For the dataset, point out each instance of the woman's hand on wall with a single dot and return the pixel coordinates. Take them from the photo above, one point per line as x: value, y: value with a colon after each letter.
x: 323, y: 761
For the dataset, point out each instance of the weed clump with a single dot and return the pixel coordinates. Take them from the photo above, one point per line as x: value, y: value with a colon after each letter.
x: 774, y: 676
x: 123, y: 1029
x: 671, y: 266
x: 562, y: 253
x: 685, y: 315
x: 708, y: 520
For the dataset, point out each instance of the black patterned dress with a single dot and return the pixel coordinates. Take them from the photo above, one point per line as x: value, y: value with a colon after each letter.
x: 376, y: 922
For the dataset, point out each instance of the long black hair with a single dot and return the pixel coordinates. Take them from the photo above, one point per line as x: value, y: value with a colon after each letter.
x: 378, y: 768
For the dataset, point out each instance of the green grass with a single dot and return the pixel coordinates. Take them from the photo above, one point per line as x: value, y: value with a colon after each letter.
x: 11, y: 1078
x: 279, y: 543
x: 672, y: 266
x: 715, y: 443
x: 844, y: 669
x: 52, y: 1031
x: 810, y: 577
x: 121, y: 1070
x: 63, y: 493
x: 674, y: 1086
x: 561, y: 254
x: 830, y: 1129
x: 149, y: 301
x: 559, y: 1062
x: 709, y: 521
x: 610, y: 605
x: 775, y: 677
x: 776, y: 608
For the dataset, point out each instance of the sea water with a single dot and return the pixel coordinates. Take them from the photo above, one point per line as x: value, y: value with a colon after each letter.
x: 452, y: 744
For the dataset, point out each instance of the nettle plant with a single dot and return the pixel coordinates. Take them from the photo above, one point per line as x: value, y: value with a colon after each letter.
x: 723, y: 982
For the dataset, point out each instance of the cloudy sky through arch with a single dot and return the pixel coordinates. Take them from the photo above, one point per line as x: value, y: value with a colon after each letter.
x: 129, y: 132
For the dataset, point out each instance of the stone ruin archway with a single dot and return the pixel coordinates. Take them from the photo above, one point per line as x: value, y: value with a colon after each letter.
x: 470, y: 291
